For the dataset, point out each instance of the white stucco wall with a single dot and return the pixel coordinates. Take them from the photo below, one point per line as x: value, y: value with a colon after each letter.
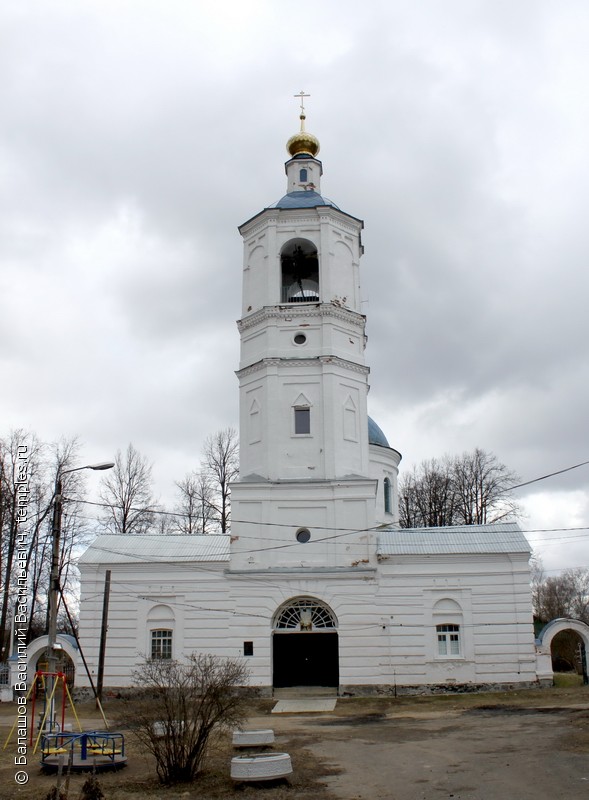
x: 386, y: 617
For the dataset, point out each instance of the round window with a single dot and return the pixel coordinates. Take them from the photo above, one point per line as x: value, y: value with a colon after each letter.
x: 300, y: 338
x: 303, y: 535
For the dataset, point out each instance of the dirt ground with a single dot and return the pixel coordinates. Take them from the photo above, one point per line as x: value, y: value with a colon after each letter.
x: 507, y: 746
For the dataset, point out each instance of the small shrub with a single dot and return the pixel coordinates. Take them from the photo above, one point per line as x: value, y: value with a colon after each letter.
x: 91, y: 789
x: 182, y: 706
x: 55, y: 794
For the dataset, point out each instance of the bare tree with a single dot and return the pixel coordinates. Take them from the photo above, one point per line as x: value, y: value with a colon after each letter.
x: 28, y: 469
x: 482, y: 488
x: 196, y: 504
x: 564, y: 595
x: 21, y: 484
x: 221, y: 466
x: 64, y: 455
x: 127, y: 492
x: 471, y: 489
x: 164, y: 523
x: 182, y: 707
x: 426, y: 496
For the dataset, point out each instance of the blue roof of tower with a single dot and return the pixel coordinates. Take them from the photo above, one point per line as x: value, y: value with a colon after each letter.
x: 307, y: 199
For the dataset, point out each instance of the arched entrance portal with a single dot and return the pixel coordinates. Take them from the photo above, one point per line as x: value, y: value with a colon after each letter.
x: 544, y: 641
x: 305, y: 645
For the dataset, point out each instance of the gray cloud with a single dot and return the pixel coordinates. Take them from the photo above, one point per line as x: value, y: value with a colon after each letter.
x: 135, y: 139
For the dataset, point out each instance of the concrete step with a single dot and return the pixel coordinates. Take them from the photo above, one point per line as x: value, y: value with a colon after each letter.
x: 297, y: 692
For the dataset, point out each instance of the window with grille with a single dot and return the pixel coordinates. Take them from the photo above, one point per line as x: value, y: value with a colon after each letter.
x: 161, y: 644
x: 448, y: 640
x: 305, y: 615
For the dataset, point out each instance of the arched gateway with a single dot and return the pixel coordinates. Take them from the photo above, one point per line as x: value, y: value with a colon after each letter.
x: 547, y: 634
x: 305, y: 644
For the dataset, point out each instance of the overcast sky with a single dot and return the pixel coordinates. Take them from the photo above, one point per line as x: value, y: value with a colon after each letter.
x: 136, y: 136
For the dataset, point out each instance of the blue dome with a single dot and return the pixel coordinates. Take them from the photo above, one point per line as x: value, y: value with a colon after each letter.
x: 375, y: 435
x: 303, y: 200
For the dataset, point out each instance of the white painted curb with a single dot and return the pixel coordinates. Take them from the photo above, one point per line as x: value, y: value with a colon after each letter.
x: 252, y: 738
x: 261, y: 767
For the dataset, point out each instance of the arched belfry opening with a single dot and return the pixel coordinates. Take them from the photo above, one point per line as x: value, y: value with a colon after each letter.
x: 305, y: 644
x: 300, y: 272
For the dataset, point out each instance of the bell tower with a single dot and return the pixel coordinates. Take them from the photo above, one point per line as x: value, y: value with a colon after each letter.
x: 303, y: 382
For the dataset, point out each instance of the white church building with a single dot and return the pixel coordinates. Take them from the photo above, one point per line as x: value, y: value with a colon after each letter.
x: 316, y: 585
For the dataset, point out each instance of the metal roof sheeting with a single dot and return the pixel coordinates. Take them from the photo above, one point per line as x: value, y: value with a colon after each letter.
x: 110, y: 548
x: 504, y: 537
x: 303, y: 200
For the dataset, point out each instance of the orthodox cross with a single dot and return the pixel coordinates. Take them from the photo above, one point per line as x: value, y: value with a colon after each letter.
x: 302, y: 95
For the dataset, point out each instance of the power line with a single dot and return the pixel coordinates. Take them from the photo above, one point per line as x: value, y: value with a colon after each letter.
x: 248, y: 614
x: 164, y: 512
x: 550, y: 475
x: 343, y: 531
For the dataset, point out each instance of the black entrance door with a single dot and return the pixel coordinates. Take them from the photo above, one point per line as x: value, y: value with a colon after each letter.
x: 305, y: 659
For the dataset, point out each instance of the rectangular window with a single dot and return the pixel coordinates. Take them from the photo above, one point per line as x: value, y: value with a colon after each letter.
x: 302, y: 421
x: 448, y: 640
x: 248, y: 648
x: 161, y: 644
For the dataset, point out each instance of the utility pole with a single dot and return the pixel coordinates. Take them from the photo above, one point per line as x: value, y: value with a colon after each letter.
x: 54, y: 588
x: 54, y: 579
x: 104, y: 629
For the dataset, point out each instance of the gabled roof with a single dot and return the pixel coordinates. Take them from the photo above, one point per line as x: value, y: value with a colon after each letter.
x: 502, y: 537
x: 110, y: 548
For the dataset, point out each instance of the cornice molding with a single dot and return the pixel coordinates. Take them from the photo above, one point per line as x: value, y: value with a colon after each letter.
x: 283, y: 217
x: 296, y: 363
x: 300, y: 311
x: 298, y: 572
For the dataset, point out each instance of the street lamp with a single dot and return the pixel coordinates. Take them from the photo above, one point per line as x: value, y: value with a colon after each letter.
x: 54, y: 589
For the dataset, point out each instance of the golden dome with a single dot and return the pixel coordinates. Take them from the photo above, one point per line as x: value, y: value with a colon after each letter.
x: 303, y: 142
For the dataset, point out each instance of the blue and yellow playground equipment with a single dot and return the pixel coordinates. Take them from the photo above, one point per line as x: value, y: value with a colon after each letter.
x: 96, y: 750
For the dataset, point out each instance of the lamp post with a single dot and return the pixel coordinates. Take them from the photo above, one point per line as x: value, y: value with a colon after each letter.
x: 54, y: 589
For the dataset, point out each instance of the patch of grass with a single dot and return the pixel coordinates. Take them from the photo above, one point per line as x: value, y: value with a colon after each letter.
x: 566, y: 680
x: 565, y: 695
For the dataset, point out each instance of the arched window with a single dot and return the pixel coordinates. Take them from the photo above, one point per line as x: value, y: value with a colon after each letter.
x: 303, y: 176
x: 388, y: 506
x: 160, y: 627
x: 448, y: 619
x: 305, y: 614
x: 300, y: 272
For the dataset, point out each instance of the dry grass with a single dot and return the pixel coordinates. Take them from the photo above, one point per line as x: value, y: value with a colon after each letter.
x: 567, y: 680
x: 137, y: 781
